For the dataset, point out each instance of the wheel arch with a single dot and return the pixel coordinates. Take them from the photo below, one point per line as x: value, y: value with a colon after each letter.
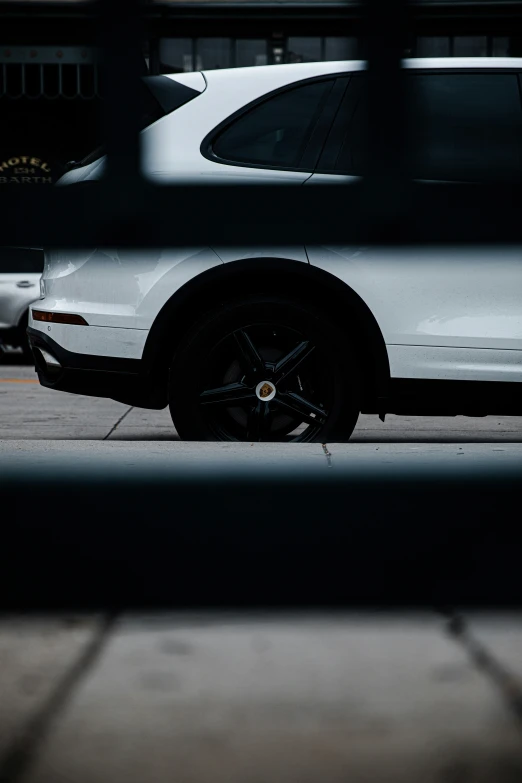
x: 273, y: 276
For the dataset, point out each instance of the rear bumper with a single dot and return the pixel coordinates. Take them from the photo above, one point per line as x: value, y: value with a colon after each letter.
x: 119, y: 379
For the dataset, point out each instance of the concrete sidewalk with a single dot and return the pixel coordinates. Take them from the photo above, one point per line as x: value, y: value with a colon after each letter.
x: 222, y: 698
x: 205, y: 698
x: 29, y: 411
x: 135, y: 457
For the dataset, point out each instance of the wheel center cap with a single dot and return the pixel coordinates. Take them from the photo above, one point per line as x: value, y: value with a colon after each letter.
x: 265, y: 391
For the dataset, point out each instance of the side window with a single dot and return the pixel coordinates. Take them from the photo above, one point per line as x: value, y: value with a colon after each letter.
x: 352, y: 152
x: 22, y: 260
x: 467, y: 126
x: 342, y: 126
x: 464, y: 127
x: 275, y: 132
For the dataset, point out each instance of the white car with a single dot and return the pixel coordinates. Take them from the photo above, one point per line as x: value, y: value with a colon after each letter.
x: 20, y: 272
x: 291, y: 343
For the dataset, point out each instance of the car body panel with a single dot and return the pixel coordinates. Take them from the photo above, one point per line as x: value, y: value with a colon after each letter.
x: 17, y: 291
x: 120, y: 288
x: 171, y: 148
x: 435, y: 296
x: 444, y: 312
x: 294, y: 253
x: 95, y: 340
x: 454, y: 364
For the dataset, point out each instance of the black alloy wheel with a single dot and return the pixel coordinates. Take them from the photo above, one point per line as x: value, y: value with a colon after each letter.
x: 264, y: 370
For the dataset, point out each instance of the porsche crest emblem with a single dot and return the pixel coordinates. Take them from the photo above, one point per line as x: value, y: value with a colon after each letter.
x: 265, y: 390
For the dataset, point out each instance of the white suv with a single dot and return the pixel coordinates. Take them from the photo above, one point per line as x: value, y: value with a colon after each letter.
x: 291, y: 343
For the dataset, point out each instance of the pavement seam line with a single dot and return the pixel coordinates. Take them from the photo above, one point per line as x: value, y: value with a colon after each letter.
x: 118, y: 423
x: 21, y: 755
x: 327, y: 455
x: 506, y: 683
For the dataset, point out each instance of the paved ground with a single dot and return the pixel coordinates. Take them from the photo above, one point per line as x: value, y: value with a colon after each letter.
x: 30, y: 412
x: 245, y: 699
x: 248, y: 699
x: 135, y: 457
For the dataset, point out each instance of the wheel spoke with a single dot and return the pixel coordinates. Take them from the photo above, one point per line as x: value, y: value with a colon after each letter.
x: 250, y: 360
x: 226, y: 395
x: 259, y: 421
x: 289, y: 363
x: 303, y: 409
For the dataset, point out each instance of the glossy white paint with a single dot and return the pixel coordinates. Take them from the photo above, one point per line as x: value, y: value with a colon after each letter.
x: 228, y: 254
x: 119, y: 287
x: 17, y: 291
x: 455, y: 364
x: 465, y: 301
x: 171, y: 147
x: 92, y: 171
x: 95, y: 170
x: 444, y: 312
x: 95, y: 340
x: 469, y: 298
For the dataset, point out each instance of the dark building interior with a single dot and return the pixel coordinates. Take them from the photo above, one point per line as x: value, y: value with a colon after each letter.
x: 51, y: 79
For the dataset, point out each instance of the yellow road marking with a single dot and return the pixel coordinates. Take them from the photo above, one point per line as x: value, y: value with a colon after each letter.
x: 17, y: 380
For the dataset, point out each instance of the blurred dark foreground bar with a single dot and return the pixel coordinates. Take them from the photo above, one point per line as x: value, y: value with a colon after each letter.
x: 248, y: 534
x: 139, y: 214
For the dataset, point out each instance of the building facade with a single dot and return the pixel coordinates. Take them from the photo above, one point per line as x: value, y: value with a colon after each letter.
x: 194, y: 54
x: 50, y: 83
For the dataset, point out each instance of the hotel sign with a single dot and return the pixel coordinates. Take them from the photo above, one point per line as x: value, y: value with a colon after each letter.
x: 25, y: 170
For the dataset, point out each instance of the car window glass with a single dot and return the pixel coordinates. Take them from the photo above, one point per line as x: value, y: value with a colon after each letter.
x: 342, y: 121
x: 468, y: 126
x: 276, y: 132
x: 24, y: 260
x: 464, y: 127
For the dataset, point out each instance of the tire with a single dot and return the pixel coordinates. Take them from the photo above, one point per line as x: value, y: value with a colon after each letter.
x: 264, y: 369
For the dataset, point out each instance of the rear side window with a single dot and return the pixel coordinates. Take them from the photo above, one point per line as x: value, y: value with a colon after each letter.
x: 468, y: 126
x: 464, y: 127
x: 23, y: 260
x: 276, y: 132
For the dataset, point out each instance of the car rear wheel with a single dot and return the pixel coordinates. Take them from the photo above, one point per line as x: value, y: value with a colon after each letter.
x: 266, y: 369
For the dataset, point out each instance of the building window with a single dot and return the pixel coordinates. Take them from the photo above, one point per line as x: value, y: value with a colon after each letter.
x: 187, y: 54
x: 330, y: 48
x: 435, y: 46
x: 251, y: 52
x: 176, y: 55
x: 304, y: 50
x: 213, y: 53
x: 340, y: 49
x: 470, y: 46
x: 500, y: 46
x: 462, y: 46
